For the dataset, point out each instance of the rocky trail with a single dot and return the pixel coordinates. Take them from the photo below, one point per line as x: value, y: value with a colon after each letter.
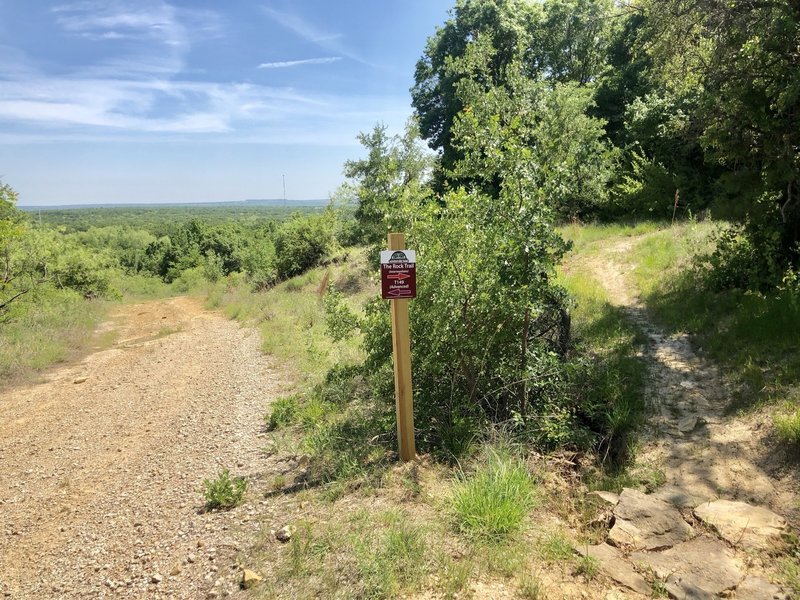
x: 103, y: 463
x: 708, y: 531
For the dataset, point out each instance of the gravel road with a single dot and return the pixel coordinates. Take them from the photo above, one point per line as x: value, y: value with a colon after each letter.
x: 102, y: 464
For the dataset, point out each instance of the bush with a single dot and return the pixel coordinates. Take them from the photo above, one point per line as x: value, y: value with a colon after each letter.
x: 284, y: 411
x: 300, y: 243
x: 224, y: 492
x: 492, y: 503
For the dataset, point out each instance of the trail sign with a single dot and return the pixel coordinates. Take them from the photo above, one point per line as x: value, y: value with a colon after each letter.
x: 398, y: 274
x: 398, y: 284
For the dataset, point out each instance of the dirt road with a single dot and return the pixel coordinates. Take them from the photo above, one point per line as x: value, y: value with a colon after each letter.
x: 103, y: 463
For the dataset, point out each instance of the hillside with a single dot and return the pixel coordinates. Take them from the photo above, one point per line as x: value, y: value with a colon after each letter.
x: 106, y: 460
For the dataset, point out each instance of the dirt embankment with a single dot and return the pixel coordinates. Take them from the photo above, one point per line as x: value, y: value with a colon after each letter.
x: 103, y: 463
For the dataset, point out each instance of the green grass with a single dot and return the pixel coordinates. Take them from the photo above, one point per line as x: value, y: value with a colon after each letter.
x: 49, y: 327
x: 612, y: 372
x: 491, y: 503
x: 787, y: 424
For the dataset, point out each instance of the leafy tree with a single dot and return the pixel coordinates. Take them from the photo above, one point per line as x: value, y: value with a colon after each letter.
x: 509, y: 23
x: 13, y: 281
x: 395, y: 167
x: 300, y: 243
x: 742, y: 56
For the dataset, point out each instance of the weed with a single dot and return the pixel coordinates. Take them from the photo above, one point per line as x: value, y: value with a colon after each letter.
x: 283, y: 412
x: 278, y: 482
x: 492, y: 502
x: 787, y: 426
x: 454, y: 576
x: 588, y: 566
x: 555, y: 547
x: 224, y: 492
x: 531, y: 588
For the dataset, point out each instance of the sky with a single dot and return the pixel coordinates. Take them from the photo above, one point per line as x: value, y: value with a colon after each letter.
x: 121, y: 101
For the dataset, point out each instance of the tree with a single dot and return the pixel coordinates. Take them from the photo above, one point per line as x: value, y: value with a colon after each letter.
x: 13, y: 283
x: 395, y: 167
x: 510, y: 23
x: 742, y: 55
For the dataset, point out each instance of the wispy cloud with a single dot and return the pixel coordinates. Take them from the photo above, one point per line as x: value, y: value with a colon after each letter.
x: 332, y: 42
x: 296, y: 63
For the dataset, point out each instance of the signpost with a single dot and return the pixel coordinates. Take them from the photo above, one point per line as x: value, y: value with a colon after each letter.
x: 398, y: 284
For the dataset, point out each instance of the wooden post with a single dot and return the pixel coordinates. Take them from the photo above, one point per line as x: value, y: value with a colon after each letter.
x: 401, y: 344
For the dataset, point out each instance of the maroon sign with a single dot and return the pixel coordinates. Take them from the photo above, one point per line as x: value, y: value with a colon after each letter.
x: 398, y: 274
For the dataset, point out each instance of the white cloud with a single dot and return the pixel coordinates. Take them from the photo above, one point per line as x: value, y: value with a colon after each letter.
x: 295, y: 63
x: 329, y: 41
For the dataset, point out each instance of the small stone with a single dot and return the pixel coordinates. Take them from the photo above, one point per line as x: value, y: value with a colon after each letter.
x: 200, y: 543
x: 284, y: 534
x: 79, y: 379
x: 176, y: 570
x: 687, y: 424
x: 688, y: 385
x: 191, y: 558
x: 156, y: 578
x: 250, y: 579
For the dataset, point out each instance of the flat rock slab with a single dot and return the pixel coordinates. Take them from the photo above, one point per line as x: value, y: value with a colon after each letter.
x: 678, y: 497
x: 756, y: 588
x: 700, y: 569
x: 613, y: 563
x: 742, y: 524
x: 644, y: 522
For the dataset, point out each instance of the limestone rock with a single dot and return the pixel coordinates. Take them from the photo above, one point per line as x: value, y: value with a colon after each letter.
x: 613, y: 563
x: 607, y: 497
x: 678, y: 497
x: 284, y: 534
x: 700, y: 569
x: 250, y: 579
x: 687, y: 424
x: 156, y: 578
x: 645, y: 523
x: 756, y: 588
x: 742, y: 524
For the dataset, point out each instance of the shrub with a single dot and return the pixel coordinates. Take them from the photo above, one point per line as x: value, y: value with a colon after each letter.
x: 284, y: 411
x: 300, y: 243
x: 224, y: 492
x: 491, y: 503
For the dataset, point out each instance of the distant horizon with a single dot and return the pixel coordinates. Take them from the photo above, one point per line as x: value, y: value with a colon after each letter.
x: 147, y: 203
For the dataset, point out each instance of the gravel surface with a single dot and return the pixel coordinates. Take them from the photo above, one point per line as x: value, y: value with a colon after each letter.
x: 103, y: 463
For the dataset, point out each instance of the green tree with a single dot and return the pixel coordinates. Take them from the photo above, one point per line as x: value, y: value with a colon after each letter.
x: 14, y: 282
x: 742, y: 56
x: 395, y: 167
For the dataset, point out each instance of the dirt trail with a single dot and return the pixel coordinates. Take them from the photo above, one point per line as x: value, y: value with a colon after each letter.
x: 103, y: 463
x: 703, y: 450
x: 709, y: 531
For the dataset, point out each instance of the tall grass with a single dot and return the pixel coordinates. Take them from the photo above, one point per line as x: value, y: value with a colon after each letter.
x: 491, y: 503
x: 51, y: 327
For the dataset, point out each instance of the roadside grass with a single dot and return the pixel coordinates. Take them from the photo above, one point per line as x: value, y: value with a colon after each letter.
x: 611, y: 375
x: 291, y: 315
x: 52, y: 326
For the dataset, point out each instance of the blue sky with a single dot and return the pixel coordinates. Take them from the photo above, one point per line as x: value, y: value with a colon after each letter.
x: 105, y: 101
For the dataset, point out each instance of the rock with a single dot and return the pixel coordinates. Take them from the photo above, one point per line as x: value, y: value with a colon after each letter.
x: 742, y: 524
x: 156, y: 578
x: 284, y: 534
x: 613, y: 563
x: 79, y: 379
x: 191, y: 558
x: 688, y: 385
x: 700, y: 569
x: 756, y: 588
x: 250, y: 579
x: 607, y: 497
x: 176, y: 570
x: 677, y: 497
x: 687, y: 424
x: 644, y: 522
